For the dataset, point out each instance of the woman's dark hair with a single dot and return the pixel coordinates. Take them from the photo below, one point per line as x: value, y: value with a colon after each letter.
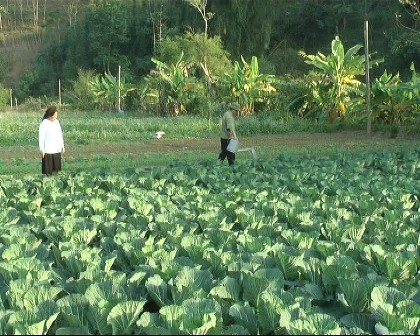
x: 49, y: 112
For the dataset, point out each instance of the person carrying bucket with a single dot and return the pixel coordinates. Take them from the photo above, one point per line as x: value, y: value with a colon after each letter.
x: 228, y: 133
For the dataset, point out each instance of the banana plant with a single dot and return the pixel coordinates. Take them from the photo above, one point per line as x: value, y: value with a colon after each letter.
x: 338, y: 87
x: 171, y: 86
x: 107, y: 91
x: 247, y: 85
x: 395, y: 101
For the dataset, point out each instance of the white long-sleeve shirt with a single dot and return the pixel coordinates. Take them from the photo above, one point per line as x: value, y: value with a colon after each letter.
x: 50, y: 137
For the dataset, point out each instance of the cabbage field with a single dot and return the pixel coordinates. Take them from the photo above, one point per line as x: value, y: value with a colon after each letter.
x: 302, y: 244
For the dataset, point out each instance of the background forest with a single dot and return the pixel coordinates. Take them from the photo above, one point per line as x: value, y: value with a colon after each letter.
x: 171, y: 53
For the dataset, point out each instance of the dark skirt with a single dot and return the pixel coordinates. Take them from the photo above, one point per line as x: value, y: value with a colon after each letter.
x: 51, y: 163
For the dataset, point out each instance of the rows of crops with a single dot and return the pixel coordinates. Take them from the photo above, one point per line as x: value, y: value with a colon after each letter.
x: 294, y: 245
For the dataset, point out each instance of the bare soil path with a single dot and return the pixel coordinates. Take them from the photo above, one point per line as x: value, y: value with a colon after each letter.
x: 266, y: 143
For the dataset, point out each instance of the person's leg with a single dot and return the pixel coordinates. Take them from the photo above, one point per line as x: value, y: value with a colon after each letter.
x: 43, y: 169
x: 223, y: 151
x: 47, y: 164
x: 56, y: 162
x: 230, y: 158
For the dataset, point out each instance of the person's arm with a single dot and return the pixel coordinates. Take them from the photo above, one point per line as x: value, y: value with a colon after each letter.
x: 41, y: 139
x: 234, y: 134
x: 63, y: 149
x: 231, y: 128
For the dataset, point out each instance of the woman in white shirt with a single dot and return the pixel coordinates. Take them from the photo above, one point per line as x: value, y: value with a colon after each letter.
x: 51, y: 142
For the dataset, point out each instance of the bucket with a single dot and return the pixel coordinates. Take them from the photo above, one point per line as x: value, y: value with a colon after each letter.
x: 233, y: 146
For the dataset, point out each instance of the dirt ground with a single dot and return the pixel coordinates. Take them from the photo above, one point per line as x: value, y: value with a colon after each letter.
x: 265, y: 143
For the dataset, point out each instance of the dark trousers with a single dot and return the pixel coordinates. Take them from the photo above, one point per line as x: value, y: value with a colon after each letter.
x: 224, y: 153
x: 51, y: 163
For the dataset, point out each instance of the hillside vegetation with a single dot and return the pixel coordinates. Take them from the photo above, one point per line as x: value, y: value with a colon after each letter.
x: 288, y: 59
x: 274, y: 32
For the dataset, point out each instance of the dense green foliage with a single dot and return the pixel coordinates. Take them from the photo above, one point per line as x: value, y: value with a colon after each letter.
x: 324, y: 242
x: 102, y: 34
x: 286, y: 246
x: 150, y: 58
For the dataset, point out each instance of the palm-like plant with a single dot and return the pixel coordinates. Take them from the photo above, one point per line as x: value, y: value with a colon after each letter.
x: 171, y: 85
x: 339, y: 83
x: 395, y: 101
x: 107, y: 90
x: 247, y: 85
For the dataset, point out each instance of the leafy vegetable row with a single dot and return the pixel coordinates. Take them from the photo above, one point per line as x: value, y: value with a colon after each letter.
x: 298, y: 245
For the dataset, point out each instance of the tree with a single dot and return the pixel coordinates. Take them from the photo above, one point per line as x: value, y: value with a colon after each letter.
x: 404, y: 40
x: 72, y: 8
x: 201, y: 5
x: 246, y: 27
x: 2, y: 11
x: 107, y: 34
x: 204, y: 53
x: 157, y: 19
x: 414, y: 5
x: 35, y: 13
x: 412, y: 28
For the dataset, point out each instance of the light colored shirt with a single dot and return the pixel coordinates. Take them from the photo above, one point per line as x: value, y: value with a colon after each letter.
x: 228, y: 123
x: 50, y: 137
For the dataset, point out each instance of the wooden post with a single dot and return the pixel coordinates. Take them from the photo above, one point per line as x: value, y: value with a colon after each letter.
x: 119, y: 88
x: 367, y: 93
x: 59, y: 92
x: 11, y: 100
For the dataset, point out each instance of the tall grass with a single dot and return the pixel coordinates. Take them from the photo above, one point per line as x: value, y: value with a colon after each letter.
x: 21, y: 129
x: 19, y: 133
